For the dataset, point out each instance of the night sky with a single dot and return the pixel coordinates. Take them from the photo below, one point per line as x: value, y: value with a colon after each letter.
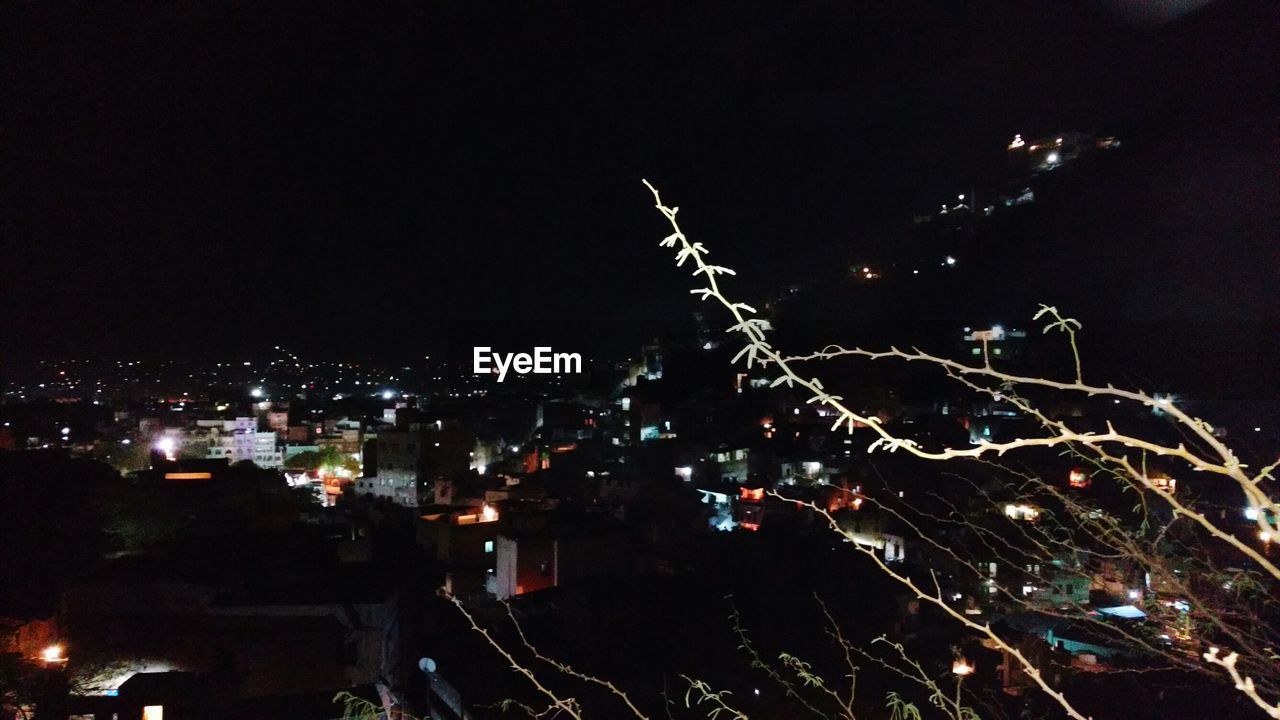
x: 210, y: 180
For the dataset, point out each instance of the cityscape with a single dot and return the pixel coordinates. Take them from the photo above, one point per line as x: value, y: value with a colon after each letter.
x: 462, y: 361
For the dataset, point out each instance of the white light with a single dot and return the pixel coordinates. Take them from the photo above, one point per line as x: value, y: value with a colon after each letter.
x: 66, y: 431
x: 1051, y: 158
x: 1257, y: 429
x: 950, y: 260
x: 1133, y: 594
x: 256, y: 392
x: 480, y: 469
x: 125, y: 441
x: 53, y: 654
x: 961, y: 196
x: 1251, y: 513
x: 387, y: 394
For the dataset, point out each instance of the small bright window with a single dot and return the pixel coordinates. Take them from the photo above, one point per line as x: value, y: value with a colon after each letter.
x: 998, y: 351
x: 976, y: 351
x: 488, y: 546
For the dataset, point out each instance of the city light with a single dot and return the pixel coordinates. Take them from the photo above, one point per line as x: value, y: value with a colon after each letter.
x: 54, y: 654
x: 1017, y: 142
x: 167, y: 446
x: 488, y: 514
x: 387, y: 394
x: 961, y: 667
x: 950, y: 261
x: 1052, y: 158
x: 256, y: 392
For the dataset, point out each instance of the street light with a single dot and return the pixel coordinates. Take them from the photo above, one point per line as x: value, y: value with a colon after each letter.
x: 53, y: 655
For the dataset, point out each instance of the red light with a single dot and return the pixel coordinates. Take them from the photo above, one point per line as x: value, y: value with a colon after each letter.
x: 751, y: 494
x: 749, y: 526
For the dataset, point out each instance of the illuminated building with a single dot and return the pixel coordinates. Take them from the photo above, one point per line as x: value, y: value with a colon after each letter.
x: 1022, y: 512
x: 1001, y: 345
x: 259, y: 447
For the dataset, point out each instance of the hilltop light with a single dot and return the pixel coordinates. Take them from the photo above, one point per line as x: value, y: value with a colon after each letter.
x: 256, y: 392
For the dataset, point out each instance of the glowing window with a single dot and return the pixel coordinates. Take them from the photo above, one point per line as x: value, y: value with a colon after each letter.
x: 976, y: 351
x: 488, y: 546
x: 153, y: 712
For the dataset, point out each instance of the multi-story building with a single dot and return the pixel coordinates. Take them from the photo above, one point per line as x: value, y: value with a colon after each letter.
x: 259, y: 447
x: 412, y: 457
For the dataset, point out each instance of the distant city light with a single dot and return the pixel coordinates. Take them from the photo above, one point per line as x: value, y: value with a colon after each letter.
x: 1251, y: 513
x: 961, y: 196
x: 166, y: 445
x: 54, y: 654
x: 488, y: 514
x: 66, y: 431
x: 125, y: 441
x: 950, y: 260
x: 256, y: 392
x: 961, y: 667
x: 387, y: 394
x: 1052, y: 158
x: 1017, y: 142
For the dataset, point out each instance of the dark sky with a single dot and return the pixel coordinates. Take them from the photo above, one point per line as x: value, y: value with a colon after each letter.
x: 214, y: 179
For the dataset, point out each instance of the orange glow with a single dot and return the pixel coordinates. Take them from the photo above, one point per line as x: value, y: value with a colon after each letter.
x: 188, y: 476
x: 488, y: 514
x: 962, y: 667
x: 751, y: 494
x: 1078, y: 478
x: 749, y: 526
